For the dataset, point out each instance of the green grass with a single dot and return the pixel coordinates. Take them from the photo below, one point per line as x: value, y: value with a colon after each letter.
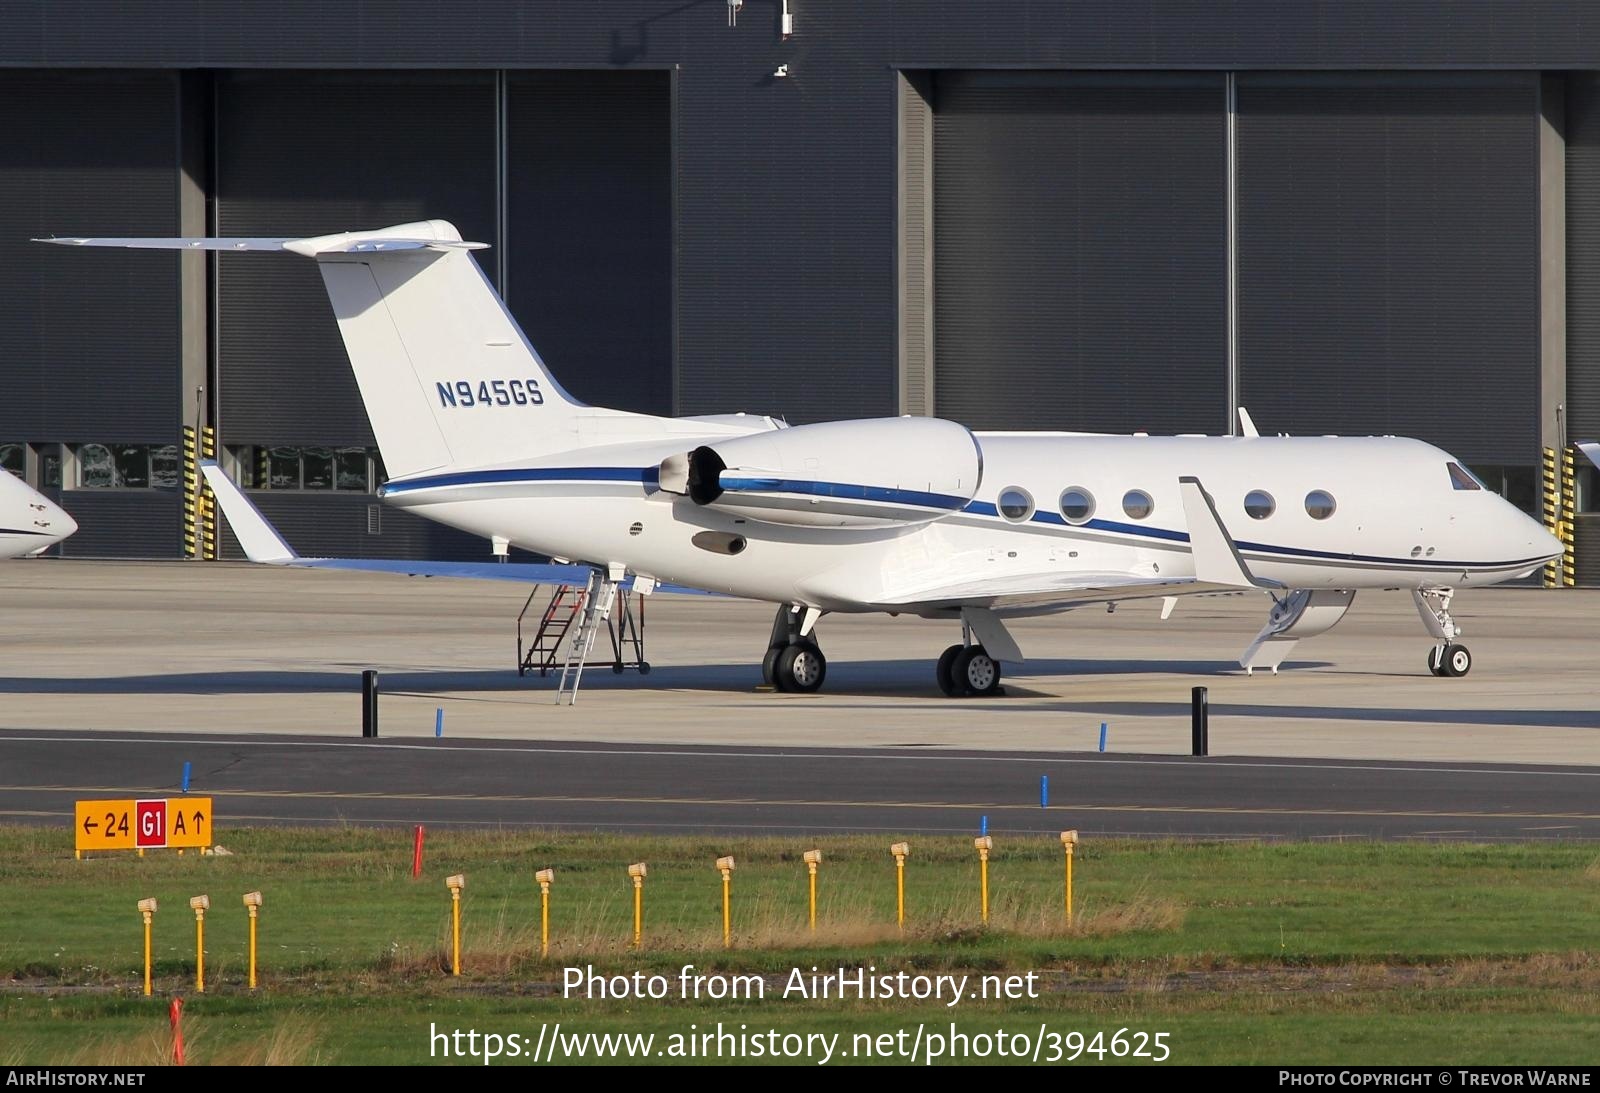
x: 1278, y: 952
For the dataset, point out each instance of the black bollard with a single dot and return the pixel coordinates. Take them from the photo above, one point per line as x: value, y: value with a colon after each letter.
x: 369, y: 704
x: 1200, y: 716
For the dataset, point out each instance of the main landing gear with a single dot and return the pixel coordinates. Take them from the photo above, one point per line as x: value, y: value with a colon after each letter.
x: 968, y: 671
x: 1448, y: 657
x: 794, y: 662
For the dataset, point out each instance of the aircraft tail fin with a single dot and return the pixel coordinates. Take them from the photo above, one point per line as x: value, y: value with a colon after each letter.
x: 447, y: 376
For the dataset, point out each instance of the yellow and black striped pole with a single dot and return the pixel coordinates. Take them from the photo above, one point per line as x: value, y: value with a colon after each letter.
x: 192, y: 499
x: 1552, y: 514
x: 1569, y: 517
x: 208, y: 500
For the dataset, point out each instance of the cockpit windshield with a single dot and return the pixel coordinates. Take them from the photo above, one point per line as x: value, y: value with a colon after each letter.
x: 1463, y: 479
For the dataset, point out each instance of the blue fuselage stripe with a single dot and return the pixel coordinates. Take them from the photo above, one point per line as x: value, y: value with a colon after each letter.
x: 649, y: 477
x: 641, y: 475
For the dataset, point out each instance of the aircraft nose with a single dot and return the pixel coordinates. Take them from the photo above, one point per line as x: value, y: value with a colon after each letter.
x: 1543, y: 544
x: 62, y: 525
x: 50, y: 521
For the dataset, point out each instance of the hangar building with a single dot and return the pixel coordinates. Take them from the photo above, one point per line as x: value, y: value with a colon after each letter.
x: 1056, y: 214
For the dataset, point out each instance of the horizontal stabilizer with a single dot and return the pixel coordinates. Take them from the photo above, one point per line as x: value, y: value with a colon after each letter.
x: 263, y: 544
x: 425, y: 234
x: 523, y: 572
x: 1216, y: 559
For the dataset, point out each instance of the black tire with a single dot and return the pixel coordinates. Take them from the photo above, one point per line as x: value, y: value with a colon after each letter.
x: 1436, y: 660
x: 801, y: 669
x: 944, y: 673
x: 616, y: 667
x: 768, y: 665
x: 1457, y: 660
x: 975, y: 670
x: 644, y: 667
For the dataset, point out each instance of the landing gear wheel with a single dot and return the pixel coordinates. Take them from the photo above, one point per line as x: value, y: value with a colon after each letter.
x: 976, y: 671
x: 644, y: 667
x: 769, y: 665
x: 1436, y: 660
x: 1457, y: 660
x: 800, y: 669
x: 946, y: 672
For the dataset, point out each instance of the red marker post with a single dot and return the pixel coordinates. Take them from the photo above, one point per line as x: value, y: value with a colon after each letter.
x: 416, y: 852
x: 175, y: 1015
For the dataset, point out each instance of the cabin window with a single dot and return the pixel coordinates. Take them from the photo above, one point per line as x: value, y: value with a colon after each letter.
x: 1137, y: 504
x: 1077, y: 504
x: 1259, y: 505
x: 1016, y: 504
x: 1463, y: 479
x: 1320, y: 504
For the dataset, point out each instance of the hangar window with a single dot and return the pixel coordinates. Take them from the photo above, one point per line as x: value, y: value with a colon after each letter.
x: 313, y: 467
x: 51, y: 459
x: 1259, y: 504
x: 1137, y: 504
x: 1077, y: 504
x: 127, y: 466
x: 1016, y: 504
x: 1320, y: 504
x: 1517, y: 484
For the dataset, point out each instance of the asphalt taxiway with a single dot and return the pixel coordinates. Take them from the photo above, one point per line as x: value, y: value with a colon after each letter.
x: 114, y: 674
x: 217, y: 648
x: 305, y: 780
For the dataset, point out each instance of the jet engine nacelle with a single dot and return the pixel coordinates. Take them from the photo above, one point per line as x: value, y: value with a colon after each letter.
x: 880, y: 472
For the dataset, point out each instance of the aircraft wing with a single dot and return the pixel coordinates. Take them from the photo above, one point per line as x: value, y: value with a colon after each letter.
x: 263, y: 544
x: 1039, y: 593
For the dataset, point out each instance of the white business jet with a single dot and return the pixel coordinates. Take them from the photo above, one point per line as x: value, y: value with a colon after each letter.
x: 29, y: 521
x: 916, y: 516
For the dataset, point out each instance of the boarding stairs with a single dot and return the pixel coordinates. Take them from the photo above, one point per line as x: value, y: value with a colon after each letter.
x: 571, y: 623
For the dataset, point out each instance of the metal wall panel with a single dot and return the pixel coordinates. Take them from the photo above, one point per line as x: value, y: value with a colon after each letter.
x: 88, y: 342
x: 1079, y: 251
x: 1586, y: 535
x: 785, y: 240
x: 916, y: 243
x: 1583, y: 256
x: 1388, y: 259
x: 589, y: 226
x: 829, y: 34
x: 304, y: 153
x: 123, y: 523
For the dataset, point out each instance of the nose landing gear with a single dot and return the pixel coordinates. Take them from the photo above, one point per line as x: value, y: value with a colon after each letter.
x: 1448, y: 658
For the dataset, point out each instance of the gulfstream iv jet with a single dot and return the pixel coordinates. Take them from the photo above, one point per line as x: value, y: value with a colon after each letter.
x: 916, y: 516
